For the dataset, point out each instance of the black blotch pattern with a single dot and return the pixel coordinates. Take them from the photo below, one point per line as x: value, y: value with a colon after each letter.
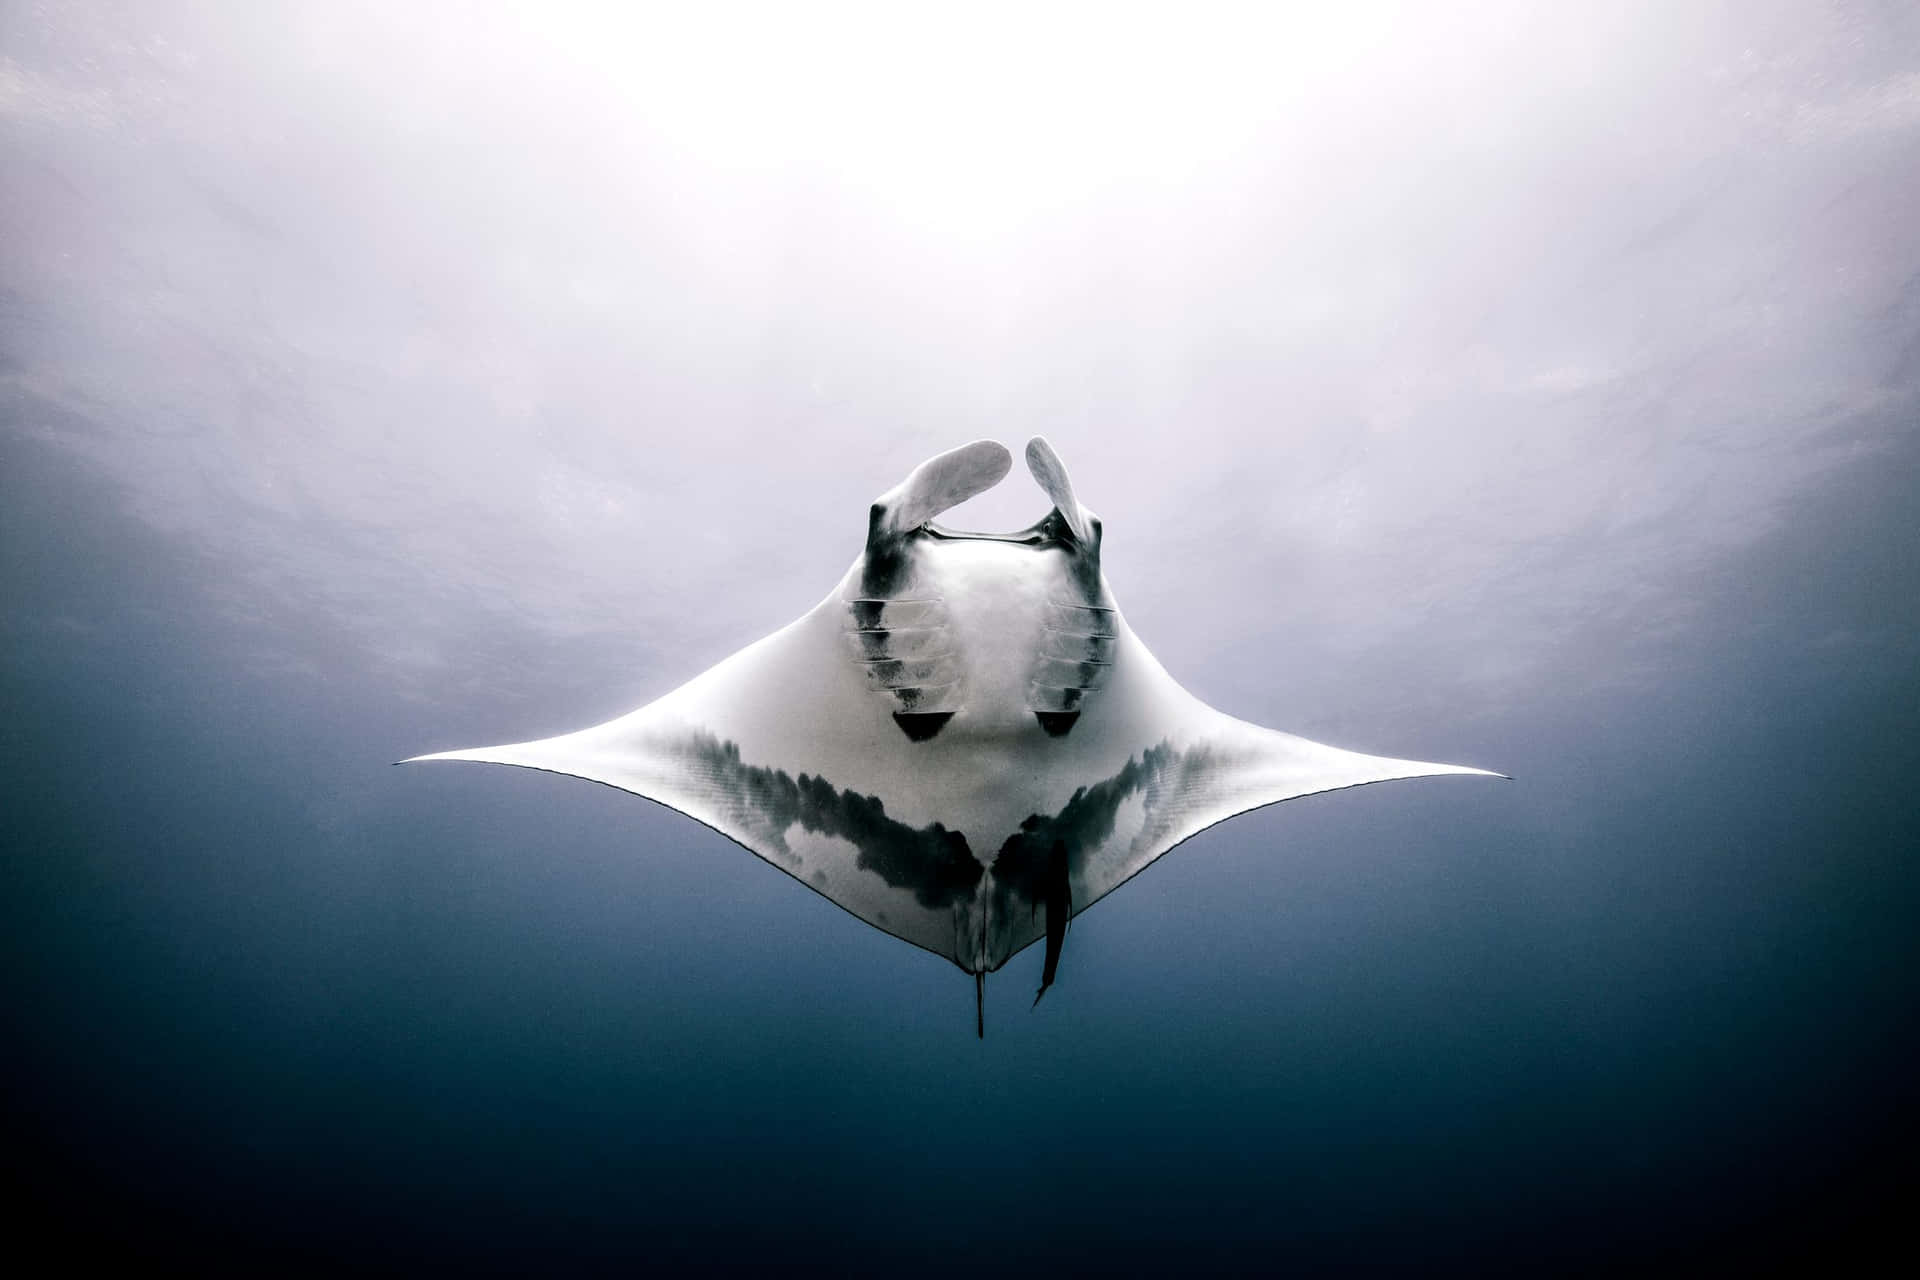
x: 1057, y: 723
x: 1083, y: 558
x: 888, y: 561
x: 1036, y: 862
x: 921, y: 725
x: 1021, y: 870
x: 934, y: 863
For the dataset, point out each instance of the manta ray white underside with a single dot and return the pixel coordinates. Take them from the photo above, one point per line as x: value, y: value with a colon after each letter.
x: 964, y: 744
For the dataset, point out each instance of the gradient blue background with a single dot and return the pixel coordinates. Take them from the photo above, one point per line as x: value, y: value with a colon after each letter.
x: 1535, y: 395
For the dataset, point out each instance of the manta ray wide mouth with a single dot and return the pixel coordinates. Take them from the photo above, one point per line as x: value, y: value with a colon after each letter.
x: 1033, y: 535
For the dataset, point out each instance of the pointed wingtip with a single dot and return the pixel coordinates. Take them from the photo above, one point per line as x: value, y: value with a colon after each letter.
x: 1460, y: 770
x: 471, y: 755
x: 480, y: 755
x: 428, y: 755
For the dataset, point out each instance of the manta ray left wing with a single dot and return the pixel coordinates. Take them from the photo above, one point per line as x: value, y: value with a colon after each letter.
x: 964, y: 744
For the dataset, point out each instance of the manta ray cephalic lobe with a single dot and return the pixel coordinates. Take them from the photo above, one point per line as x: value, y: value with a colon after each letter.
x: 964, y: 744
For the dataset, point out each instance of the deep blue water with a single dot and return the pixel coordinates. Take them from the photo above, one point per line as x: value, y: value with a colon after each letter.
x: 274, y: 998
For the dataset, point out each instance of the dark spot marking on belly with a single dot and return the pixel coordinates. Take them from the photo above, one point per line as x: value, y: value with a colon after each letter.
x: 921, y: 725
x: 1035, y: 864
x: 932, y: 862
x: 1056, y: 723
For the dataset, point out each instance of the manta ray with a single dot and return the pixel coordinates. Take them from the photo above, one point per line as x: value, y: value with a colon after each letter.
x: 964, y: 745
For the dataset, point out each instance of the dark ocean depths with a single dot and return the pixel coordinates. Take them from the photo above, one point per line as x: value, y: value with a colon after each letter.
x: 274, y: 999
x: 344, y: 416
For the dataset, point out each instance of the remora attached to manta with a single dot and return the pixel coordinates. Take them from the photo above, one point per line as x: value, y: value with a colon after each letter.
x: 964, y: 744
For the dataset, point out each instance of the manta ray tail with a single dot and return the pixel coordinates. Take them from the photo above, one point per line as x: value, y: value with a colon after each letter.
x: 980, y: 1005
